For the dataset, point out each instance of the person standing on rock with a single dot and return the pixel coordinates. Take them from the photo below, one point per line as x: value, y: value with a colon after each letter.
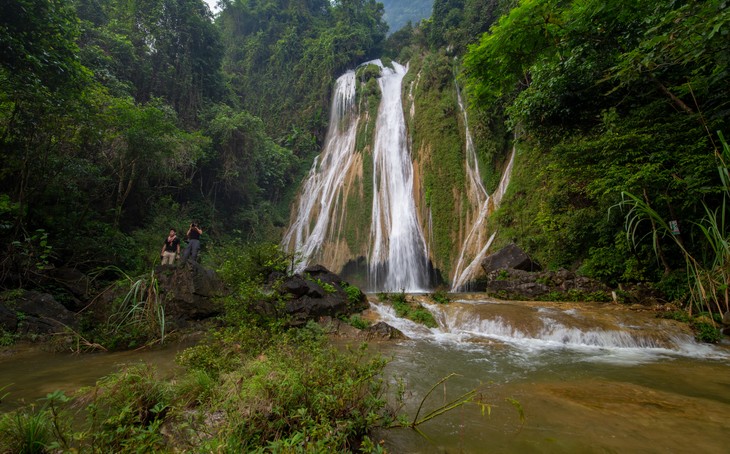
x: 193, y: 247
x: 171, y: 248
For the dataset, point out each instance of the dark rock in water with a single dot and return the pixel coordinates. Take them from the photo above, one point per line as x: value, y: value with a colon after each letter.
x: 509, y: 257
x: 31, y: 312
x: 316, y: 293
x: 382, y: 330
x: 378, y: 331
x: 189, y: 291
x: 561, y: 285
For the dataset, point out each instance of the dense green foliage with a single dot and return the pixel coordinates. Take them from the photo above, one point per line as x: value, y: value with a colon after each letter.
x: 122, y: 119
x: 612, y: 98
x: 282, y: 56
x: 408, y: 308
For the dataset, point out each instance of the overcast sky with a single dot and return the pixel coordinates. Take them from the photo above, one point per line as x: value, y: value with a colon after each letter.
x: 212, y: 4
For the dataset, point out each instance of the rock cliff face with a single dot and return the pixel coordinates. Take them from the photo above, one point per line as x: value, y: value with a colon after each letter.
x: 433, y: 148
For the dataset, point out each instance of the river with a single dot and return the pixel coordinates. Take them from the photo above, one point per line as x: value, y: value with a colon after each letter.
x: 589, y: 379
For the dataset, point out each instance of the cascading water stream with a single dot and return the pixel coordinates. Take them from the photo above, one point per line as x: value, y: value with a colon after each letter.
x: 320, y: 191
x: 537, y: 328
x: 478, y: 196
x: 398, y: 254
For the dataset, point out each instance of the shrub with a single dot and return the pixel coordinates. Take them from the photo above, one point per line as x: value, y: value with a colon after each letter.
x: 300, y: 392
x: 353, y: 293
x: 706, y: 331
x: 412, y: 311
x: 358, y: 322
x: 441, y: 297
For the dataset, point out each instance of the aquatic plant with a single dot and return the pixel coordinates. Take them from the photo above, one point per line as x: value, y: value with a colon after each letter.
x: 473, y: 396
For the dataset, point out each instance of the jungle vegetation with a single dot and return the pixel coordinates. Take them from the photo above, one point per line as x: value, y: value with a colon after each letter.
x: 120, y: 119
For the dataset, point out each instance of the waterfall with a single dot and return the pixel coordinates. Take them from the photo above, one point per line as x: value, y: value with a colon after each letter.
x: 323, y: 186
x: 475, y: 246
x: 398, y: 255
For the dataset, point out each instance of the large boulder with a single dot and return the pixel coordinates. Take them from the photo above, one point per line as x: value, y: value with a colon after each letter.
x: 509, y: 257
x: 190, y: 292
x: 31, y: 312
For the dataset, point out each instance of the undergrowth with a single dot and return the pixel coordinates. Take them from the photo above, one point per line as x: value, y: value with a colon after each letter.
x: 411, y: 310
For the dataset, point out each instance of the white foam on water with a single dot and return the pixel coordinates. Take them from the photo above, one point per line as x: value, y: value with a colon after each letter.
x: 462, y: 328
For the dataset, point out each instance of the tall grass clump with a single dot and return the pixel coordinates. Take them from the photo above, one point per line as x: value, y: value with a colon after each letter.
x: 708, y: 274
x: 138, y: 316
x: 36, y: 428
x: 26, y: 432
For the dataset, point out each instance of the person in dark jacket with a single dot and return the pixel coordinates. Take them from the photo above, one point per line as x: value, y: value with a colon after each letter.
x: 193, y: 246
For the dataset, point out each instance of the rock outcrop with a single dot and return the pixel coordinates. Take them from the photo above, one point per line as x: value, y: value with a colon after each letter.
x: 316, y: 292
x: 512, y: 274
x: 509, y: 257
x: 561, y: 285
x: 30, y: 312
x: 377, y: 331
x: 190, y: 292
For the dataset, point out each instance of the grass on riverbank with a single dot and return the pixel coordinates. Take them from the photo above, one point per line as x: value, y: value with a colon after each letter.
x: 293, y: 392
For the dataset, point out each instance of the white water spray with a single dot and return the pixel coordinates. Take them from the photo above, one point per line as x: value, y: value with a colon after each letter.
x: 398, y: 254
x: 467, y: 265
x: 463, y: 325
x: 323, y: 186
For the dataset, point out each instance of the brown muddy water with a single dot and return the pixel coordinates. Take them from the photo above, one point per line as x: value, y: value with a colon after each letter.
x: 588, y: 378
x: 29, y: 373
